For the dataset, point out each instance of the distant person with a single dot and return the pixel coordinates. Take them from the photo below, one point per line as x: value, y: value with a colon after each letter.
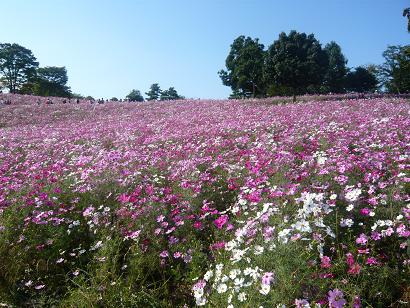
x: 64, y: 101
x: 38, y: 102
x: 49, y: 102
x: 78, y: 100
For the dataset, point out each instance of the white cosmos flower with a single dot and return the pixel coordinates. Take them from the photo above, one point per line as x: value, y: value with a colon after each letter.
x: 208, y: 275
x: 222, y: 288
x: 303, y: 226
x: 242, y: 297
x: 233, y: 273
x: 200, y: 301
x: 346, y: 222
x: 258, y: 250
x: 353, y: 194
x: 265, y: 288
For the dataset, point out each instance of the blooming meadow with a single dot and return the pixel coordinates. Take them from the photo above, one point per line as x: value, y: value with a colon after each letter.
x: 205, y: 203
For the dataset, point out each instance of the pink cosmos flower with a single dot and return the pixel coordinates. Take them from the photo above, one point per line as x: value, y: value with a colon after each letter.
x: 365, y: 211
x: 335, y: 298
x: 375, y: 236
x: 267, y: 278
x: 197, y: 225
x: 354, y: 269
x: 371, y: 261
x: 362, y: 239
x: 217, y: 245
x: 349, y: 259
x: 123, y: 198
x: 88, y: 211
x: 220, y: 221
x: 325, y: 262
x: 357, y: 302
x: 326, y: 275
x: 301, y: 303
x: 164, y: 254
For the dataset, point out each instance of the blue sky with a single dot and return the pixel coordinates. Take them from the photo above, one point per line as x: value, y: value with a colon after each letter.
x: 111, y: 47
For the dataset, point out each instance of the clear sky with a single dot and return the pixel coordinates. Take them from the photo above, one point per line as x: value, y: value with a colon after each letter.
x: 111, y: 47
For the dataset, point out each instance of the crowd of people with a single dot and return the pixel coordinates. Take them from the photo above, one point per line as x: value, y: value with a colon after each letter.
x: 19, y: 99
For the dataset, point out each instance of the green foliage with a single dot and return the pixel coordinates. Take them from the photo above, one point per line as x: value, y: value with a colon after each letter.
x: 406, y: 13
x: 51, y: 81
x: 135, y: 96
x: 170, y: 94
x: 17, y: 65
x: 296, y: 61
x: 77, y: 95
x: 244, y: 66
x: 336, y: 69
x: 114, y: 99
x: 395, y: 71
x: 154, y: 92
x: 361, y: 80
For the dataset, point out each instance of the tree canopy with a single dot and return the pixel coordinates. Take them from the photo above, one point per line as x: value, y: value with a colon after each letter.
x: 361, y: 80
x: 336, y: 69
x: 154, y: 92
x: 406, y: 13
x: 170, y: 94
x: 17, y: 65
x: 51, y: 81
x: 244, y: 67
x: 135, y: 96
x: 395, y: 71
x: 296, y: 63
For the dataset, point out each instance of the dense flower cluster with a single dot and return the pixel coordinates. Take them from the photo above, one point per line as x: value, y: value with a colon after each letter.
x: 228, y: 185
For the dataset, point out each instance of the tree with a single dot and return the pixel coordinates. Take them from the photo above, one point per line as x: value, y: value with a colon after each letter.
x: 336, y: 69
x: 77, y: 95
x: 296, y: 63
x: 406, y: 13
x: 135, y: 96
x: 51, y: 81
x: 244, y: 67
x: 395, y: 71
x: 154, y: 92
x: 17, y: 65
x: 114, y: 99
x: 361, y: 80
x: 170, y: 94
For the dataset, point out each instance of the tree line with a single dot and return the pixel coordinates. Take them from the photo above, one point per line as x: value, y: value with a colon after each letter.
x: 154, y: 93
x: 296, y: 63
x: 20, y: 73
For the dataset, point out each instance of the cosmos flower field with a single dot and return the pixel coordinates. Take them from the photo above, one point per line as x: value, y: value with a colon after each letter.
x: 205, y: 203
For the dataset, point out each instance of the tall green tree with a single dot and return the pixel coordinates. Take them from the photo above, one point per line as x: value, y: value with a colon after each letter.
x: 361, y: 80
x: 51, y: 81
x: 135, y: 96
x: 244, y: 67
x: 395, y: 71
x: 295, y: 63
x: 406, y: 13
x: 336, y: 69
x: 17, y: 65
x: 154, y: 92
x: 170, y: 94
